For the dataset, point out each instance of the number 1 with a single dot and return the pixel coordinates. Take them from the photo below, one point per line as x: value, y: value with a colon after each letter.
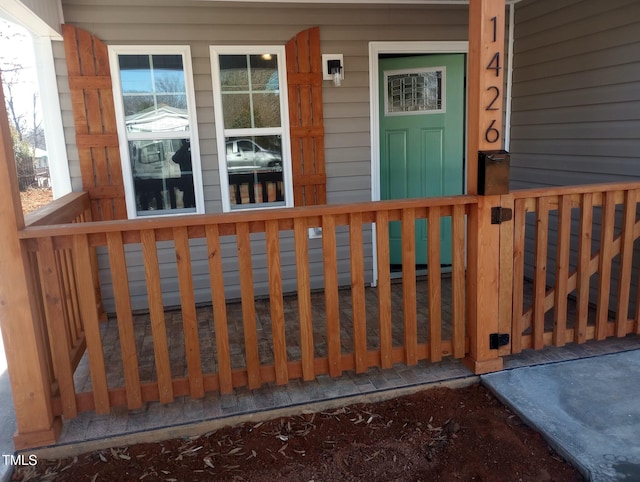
x: 495, y: 28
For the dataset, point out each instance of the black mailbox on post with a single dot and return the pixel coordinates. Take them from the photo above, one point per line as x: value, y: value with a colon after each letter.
x: 493, y: 172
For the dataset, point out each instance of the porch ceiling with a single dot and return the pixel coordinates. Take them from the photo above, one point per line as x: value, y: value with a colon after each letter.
x: 42, y: 19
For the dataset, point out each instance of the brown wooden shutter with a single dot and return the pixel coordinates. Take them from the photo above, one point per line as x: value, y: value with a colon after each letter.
x: 95, y: 123
x: 304, y: 77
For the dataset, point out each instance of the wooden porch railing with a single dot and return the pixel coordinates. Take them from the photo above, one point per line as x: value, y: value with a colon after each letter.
x: 79, y: 240
x: 577, y: 246
x: 53, y: 269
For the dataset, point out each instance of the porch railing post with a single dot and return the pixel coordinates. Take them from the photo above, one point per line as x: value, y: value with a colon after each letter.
x: 20, y: 317
x: 483, y: 286
x: 485, y: 133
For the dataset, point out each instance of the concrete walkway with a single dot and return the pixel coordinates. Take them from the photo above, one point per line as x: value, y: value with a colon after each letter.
x: 587, y: 409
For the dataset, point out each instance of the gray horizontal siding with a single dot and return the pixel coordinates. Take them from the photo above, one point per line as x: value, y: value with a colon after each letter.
x: 576, y: 92
x: 345, y: 29
x: 576, y: 106
x: 200, y: 269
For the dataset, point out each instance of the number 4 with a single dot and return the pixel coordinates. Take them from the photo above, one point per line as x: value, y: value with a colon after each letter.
x: 495, y: 64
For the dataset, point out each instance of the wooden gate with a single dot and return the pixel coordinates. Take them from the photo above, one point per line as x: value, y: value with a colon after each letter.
x: 566, y: 264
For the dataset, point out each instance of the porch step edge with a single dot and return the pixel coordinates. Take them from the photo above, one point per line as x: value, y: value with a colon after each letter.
x: 191, y: 429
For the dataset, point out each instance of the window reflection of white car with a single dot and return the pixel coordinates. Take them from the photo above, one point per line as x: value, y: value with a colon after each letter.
x: 246, y: 155
x: 152, y: 161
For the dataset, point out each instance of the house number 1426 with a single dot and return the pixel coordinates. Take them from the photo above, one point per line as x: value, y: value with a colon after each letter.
x: 492, y: 134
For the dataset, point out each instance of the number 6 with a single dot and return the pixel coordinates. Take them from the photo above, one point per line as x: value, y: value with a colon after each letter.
x: 492, y: 134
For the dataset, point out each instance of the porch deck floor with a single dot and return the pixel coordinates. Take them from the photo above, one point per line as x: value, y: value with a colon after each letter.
x: 90, y: 431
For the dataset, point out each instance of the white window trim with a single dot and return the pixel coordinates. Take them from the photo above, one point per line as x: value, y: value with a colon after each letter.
x: 216, y: 51
x: 185, y: 51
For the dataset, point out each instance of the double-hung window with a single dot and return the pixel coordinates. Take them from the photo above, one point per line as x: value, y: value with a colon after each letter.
x: 251, y: 114
x: 155, y: 105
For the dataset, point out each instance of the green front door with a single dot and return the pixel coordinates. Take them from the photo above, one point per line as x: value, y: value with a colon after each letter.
x: 421, y: 138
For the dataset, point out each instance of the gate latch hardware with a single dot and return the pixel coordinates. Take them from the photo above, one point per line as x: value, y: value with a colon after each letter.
x: 499, y: 215
x: 496, y: 340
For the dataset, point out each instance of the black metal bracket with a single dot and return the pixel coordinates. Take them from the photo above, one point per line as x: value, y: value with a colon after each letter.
x: 496, y: 340
x: 499, y: 215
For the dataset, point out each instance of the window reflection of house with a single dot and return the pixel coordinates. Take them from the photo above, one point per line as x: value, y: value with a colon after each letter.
x: 162, y: 118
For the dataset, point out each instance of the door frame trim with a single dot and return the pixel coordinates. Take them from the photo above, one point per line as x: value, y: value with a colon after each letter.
x: 375, y: 49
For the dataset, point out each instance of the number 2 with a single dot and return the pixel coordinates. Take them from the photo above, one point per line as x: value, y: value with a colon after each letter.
x: 495, y: 98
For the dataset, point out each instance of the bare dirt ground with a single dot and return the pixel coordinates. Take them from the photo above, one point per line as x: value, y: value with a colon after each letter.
x: 435, y: 435
x: 33, y: 198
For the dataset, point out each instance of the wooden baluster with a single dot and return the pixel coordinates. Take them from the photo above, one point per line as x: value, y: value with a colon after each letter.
x: 561, y: 291
x: 357, y: 292
x: 505, y: 299
x: 434, y: 284
x: 626, y: 262
x: 248, y: 305
x: 219, y: 308
x: 71, y: 291
x: 604, y: 268
x: 304, y: 298
x: 156, y: 313
x: 189, y: 315
x: 276, y: 302
x: 458, y: 281
x: 57, y: 324
x: 584, y: 275
x: 332, y: 309
x: 384, y: 289
x: 89, y: 313
x: 519, y: 228
x: 69, y: 309
x: 120, y: 279
x: 409, y: 286
x: 540, y: 271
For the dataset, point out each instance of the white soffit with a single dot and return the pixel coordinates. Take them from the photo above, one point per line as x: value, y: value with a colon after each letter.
x: 18, y: 12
